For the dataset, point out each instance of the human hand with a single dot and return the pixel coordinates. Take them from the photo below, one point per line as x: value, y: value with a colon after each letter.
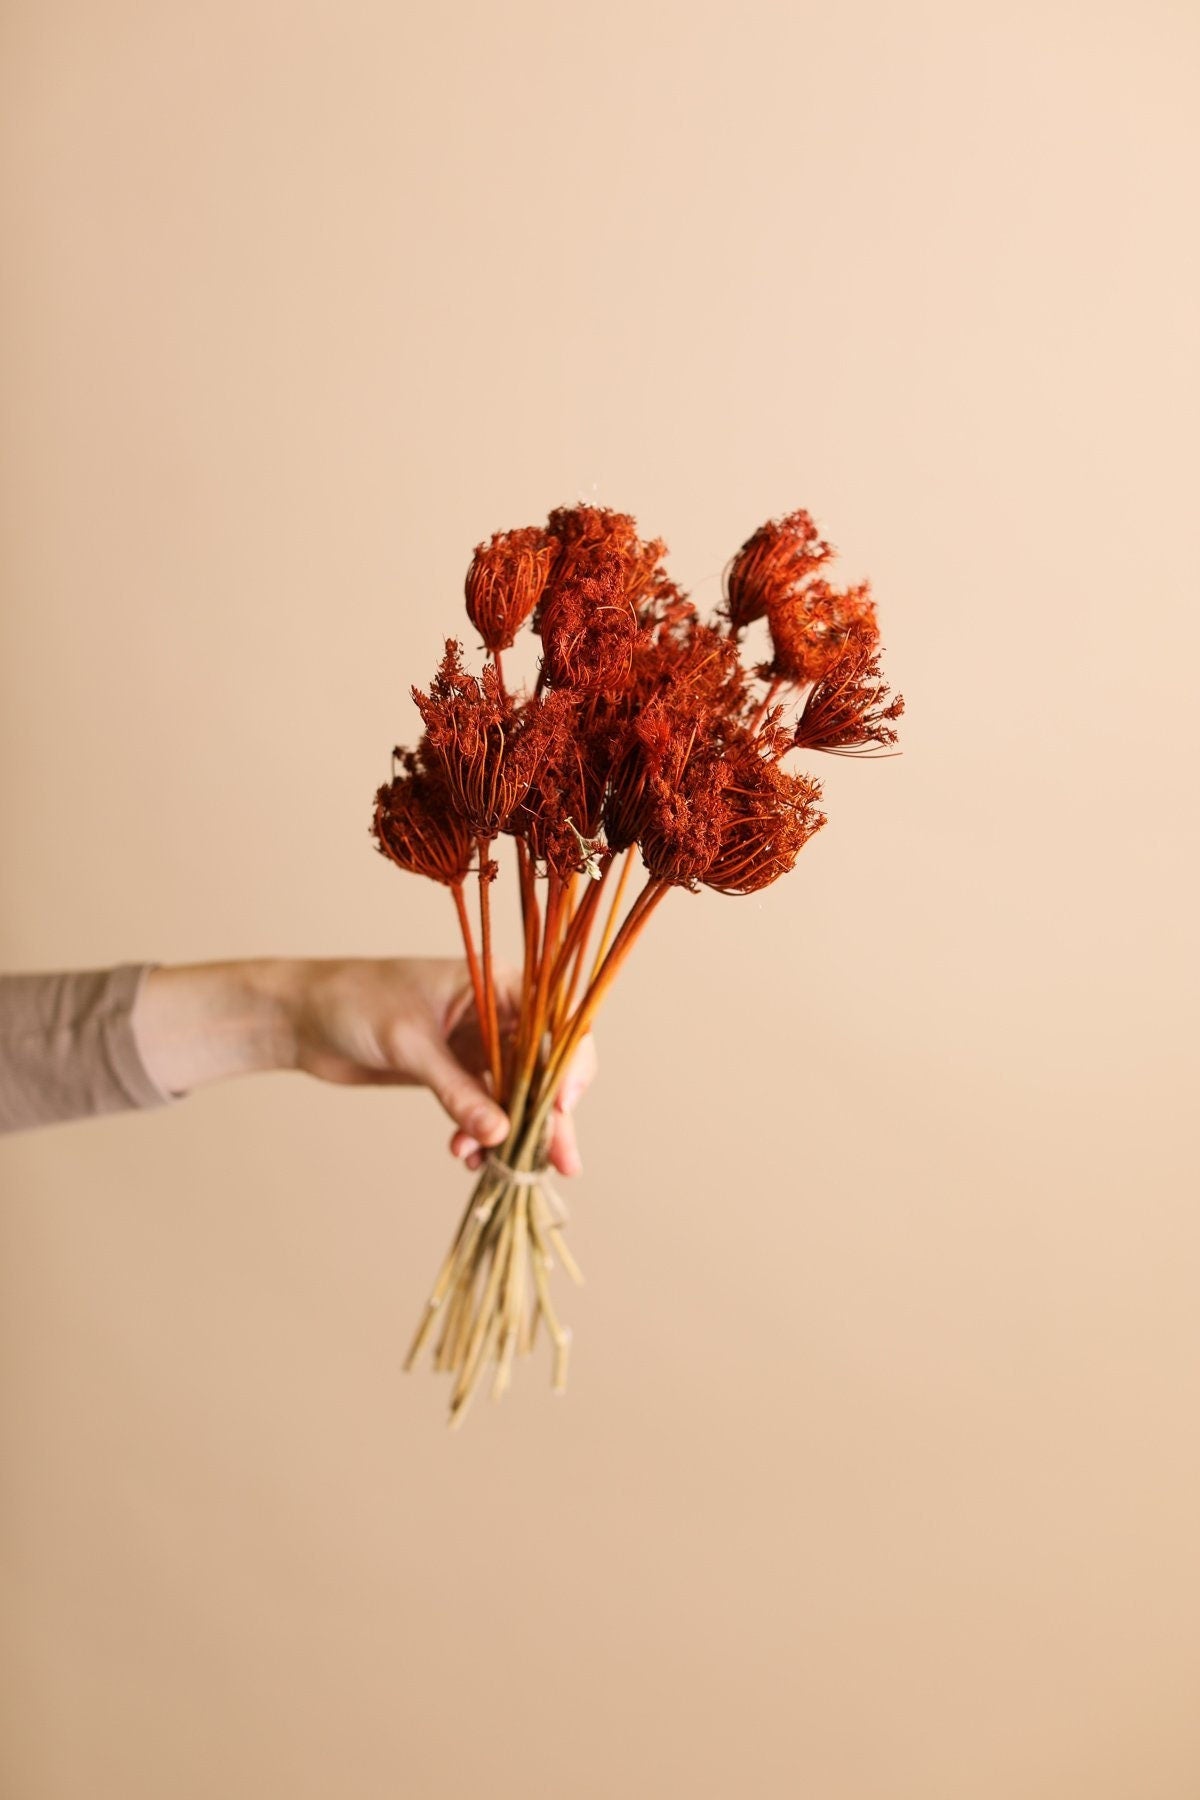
x: 396, y: 1021
x: 412, y: 1021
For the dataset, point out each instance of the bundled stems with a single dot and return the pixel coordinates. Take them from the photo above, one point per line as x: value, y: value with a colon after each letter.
x: 581, y: 1019
x: 493, y: 1289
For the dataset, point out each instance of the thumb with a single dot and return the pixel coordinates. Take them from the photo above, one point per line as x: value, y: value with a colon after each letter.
x: 465, y: 1099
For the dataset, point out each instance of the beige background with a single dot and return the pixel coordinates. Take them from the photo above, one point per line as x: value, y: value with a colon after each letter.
x: 879, y: 1474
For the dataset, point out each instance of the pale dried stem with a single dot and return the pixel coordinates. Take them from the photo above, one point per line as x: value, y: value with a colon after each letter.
x: 460, y: 1403
x: 470, y: 1226
x: 564, y: 1255
x: 442, y: 1358
x: 512, y: 1293
x: 487, y: 1320
x: 547, y: 1233
x: 562, y: 1339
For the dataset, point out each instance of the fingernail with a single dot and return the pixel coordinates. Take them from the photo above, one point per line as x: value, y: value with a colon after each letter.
x: 571, y: 1092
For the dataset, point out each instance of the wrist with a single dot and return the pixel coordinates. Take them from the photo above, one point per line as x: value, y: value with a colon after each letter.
x: 201, y: 1022
x: 271, y: 997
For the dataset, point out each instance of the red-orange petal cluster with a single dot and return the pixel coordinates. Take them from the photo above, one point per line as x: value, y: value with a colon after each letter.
x: 647, y: 724
x: 478, y: 741
x: 564, y: 804
x: 604, y: 587
x: 770, y: 566
x: 729, y: 817
x: 770, y: 814
x: 417, y: 827
x: 589, y: 627
x: 811, y: 628
x: 505, y: 582
x: 848, y: 709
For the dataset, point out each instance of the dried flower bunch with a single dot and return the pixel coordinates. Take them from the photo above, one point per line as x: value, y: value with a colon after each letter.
x: 647, y: 735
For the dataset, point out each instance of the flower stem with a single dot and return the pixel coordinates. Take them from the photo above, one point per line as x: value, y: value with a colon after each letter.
x: 574, y: 938
x: 531, y: 924
x: 611, y: 922
x: 533, y: 1020
x: 577, y: 1026
x: 489, y: 1021
x: 468, y: 937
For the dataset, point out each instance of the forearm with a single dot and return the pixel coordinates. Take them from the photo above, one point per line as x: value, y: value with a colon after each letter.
x: 200, y: 1022
x: 142, y: 1035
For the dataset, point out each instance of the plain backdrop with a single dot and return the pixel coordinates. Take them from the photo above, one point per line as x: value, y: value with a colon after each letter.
x: 878, y: 1474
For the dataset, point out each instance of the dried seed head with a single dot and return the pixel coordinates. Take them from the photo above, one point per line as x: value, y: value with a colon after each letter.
x: 848, y: 710
x: 811, y: 628
x: 564, y: 804
x: 686, y: 818
x: 770, y: 815
x: 505, y: 582
x: 629, y: 801
x: 605, y: 584
x: 770, y: 565
x: 589, y: 628
x: 415, y: 824
x: 476, y: 738
x: 582, y: 532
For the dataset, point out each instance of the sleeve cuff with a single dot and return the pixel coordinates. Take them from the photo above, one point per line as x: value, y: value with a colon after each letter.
x: 119, y: 1040
x: 68, y: 1049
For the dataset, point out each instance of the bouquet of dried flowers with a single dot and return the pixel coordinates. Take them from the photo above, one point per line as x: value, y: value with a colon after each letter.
x: 649, y: 734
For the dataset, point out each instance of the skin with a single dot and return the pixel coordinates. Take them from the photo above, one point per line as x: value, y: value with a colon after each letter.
x: 402, y: 1021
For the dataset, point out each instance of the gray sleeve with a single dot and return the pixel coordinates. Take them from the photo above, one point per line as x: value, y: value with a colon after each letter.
x: 67, y: 1047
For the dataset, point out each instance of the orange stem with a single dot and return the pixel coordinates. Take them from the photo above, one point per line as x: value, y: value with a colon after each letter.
x: 580, y: 926
x: 529, y: 921
x: 536, y: 1024
x: 575, y: 949
x: 614, y: 909
x: 491, y: 1037
x: 578, y: 1024
x: 477, y: 988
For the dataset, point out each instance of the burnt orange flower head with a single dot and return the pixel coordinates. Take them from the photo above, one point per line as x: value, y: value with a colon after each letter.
x: 477, y: 742
x: 770, y: 814
x: 770, y: 566
x: 505, y: 582
x: 561, y: 813
x: 687, y: 820
x: 811, y: 628
x: 416, y: 825
x: 583, y: 532
x: 724, y: 815
x: 641, y: 753
x: 589, y: 627
x: 605, y: 585
x: 848, y: 708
